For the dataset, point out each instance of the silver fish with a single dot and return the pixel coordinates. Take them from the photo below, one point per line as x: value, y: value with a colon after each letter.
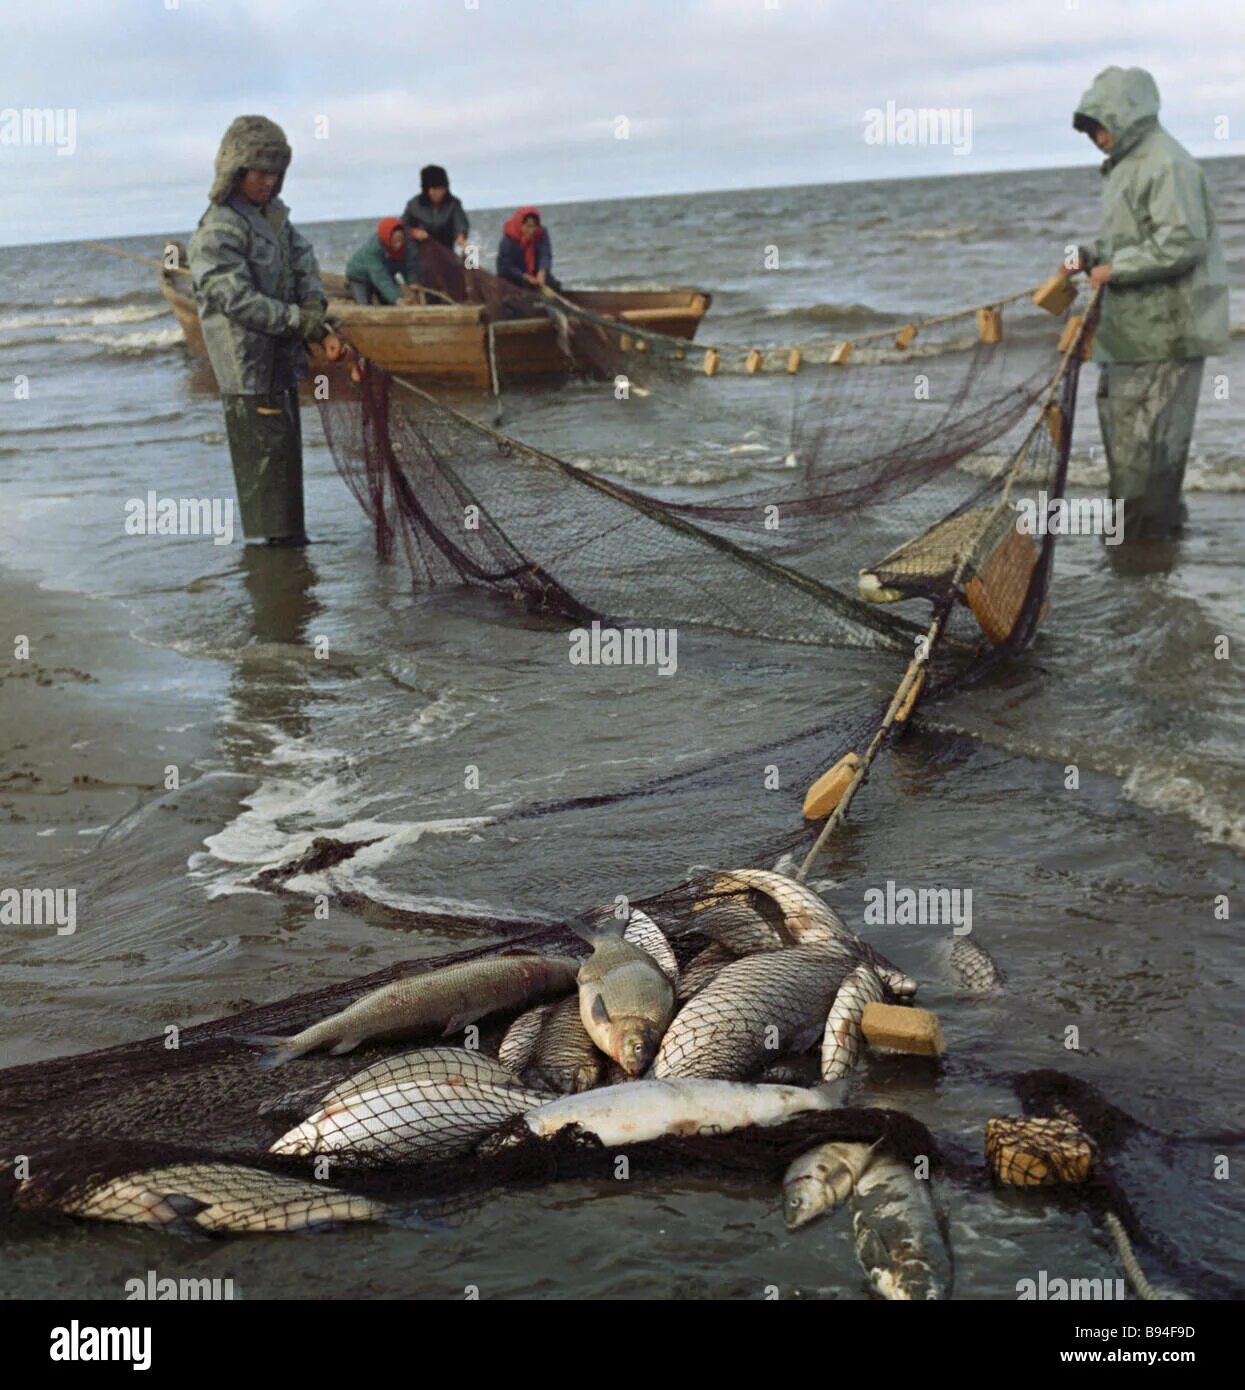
x: 222, y: 1197
x: 842, y: 1040
x: 550, y: 1048
x: 701, y: 969
x: 643, y: 932
x: 433, y: 1001
x: 424, y: 1064
x: 976, y: 968
x: 416, y: 1121
x: 626, y: 1000
x: 638, y: 1111
x: 751, y: 910
x: 822, y: 1178
x: 898, y: 1233
x: 754, y: 1010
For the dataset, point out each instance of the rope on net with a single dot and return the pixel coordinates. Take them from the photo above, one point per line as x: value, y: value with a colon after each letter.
x: 736, y: 359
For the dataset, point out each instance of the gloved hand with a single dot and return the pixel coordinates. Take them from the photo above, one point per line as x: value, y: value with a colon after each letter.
x: 311, y: 327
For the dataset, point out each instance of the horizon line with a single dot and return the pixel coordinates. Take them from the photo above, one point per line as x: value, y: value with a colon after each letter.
x: 679, y: 193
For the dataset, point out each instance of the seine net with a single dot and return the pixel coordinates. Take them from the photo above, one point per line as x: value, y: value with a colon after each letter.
x: 916, y: 504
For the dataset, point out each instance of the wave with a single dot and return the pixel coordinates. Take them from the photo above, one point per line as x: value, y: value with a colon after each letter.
x: 940, y: 233
x: 92, y: 301
x: 86, y: 318
x: 836, y: 313
x: 140, y: 344
x: 1167, y: 791
x: 1164, y: 790
x: 1204, y: 474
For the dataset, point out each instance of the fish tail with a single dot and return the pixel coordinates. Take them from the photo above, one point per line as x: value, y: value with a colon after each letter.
x: 277, y: 1051
x: 599, y: 924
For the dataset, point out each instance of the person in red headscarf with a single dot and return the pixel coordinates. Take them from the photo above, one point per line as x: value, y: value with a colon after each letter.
x: 525, y: 255
x: 371, y: 270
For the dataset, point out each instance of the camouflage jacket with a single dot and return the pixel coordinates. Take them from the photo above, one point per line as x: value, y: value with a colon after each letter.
x: 251, y: 270
x: 1167, y: 299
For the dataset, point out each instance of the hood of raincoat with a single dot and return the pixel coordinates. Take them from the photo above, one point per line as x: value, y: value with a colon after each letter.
x: 1126, y: 102
x: 251, y: 142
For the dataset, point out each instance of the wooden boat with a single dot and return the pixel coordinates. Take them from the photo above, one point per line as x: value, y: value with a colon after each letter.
x: 449, y: 343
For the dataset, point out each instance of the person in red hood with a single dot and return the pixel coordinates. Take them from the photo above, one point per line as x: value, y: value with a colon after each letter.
x: 525, y: 254
x: 370, y: 271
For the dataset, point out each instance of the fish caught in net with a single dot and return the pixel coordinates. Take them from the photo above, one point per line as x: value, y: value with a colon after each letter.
x: 427, y: 1087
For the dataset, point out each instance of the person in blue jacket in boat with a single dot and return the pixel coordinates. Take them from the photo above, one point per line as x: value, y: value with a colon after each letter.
x: 525, y: 253
x: 371, y: 271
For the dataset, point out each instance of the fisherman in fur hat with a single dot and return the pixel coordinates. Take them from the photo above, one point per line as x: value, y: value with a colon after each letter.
x: 261, y: 303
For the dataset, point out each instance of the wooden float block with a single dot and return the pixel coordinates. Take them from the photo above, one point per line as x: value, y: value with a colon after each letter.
x: 905, y: 336
x: 1038, y: 1153
x: 1071, y: 331
x: 1054, y: 424
x: 896, y: 1028
x: 712, y: 361
x: 641, y: 345
x: 990, y: 325
x: 624, y: 342
x: 840, y: 354
x: 752, y: 363
x: 1054, y: 295
x: 827, y: 791
x: 793, y: 361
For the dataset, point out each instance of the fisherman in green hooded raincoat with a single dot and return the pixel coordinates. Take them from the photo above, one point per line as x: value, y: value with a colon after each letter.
x: 1165, y: 301
x: 260, y: 300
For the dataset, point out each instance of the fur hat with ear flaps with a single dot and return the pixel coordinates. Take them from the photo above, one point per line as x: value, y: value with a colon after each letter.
x: 251, y: 142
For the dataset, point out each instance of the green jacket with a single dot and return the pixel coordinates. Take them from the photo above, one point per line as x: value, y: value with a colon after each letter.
x: 251, y: 270
x: 370, y: 266
x: 1167, y: 299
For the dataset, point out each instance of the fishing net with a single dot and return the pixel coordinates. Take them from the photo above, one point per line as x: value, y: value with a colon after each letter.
x: 879, y: 451
x: 888, y: 513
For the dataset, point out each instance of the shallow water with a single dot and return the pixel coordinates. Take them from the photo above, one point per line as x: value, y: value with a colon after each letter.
x: 164, y: 651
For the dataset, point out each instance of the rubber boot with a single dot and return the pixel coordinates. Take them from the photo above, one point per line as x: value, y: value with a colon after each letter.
x: 266, y: 446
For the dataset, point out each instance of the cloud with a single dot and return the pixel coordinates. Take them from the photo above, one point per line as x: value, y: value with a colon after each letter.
x: 520, y: 100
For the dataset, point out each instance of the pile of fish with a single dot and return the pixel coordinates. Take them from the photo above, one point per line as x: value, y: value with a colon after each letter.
x: 622, y: 1047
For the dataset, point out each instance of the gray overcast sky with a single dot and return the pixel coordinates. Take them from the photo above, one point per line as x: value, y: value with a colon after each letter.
x: 519, y: 98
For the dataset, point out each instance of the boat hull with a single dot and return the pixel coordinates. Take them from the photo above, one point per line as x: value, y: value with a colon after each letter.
x: 448, y: 344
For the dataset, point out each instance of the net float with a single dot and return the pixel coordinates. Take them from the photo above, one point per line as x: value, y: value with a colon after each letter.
x: 899, y: 1028
x: 827, y: 791
x: 990, y: 325
x: 1054, y: 295
x: 1038, y: 1152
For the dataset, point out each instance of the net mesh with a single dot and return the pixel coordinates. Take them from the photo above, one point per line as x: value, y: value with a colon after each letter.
x: 905, y: 465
